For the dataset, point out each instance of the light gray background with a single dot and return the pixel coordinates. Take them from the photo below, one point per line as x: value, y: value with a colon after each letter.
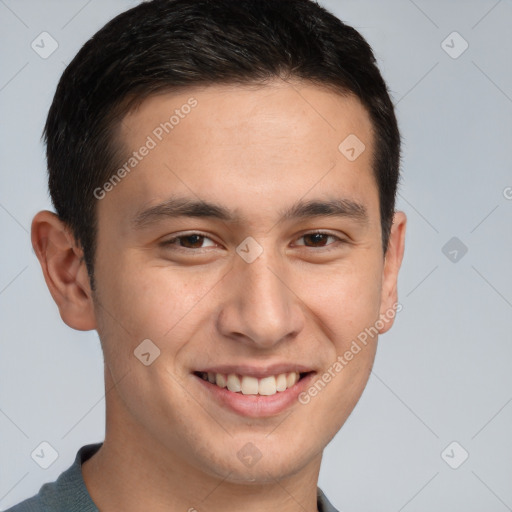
x: 442, y: 373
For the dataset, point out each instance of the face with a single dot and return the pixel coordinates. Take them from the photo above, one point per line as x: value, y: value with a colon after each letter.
x: 278, y: 271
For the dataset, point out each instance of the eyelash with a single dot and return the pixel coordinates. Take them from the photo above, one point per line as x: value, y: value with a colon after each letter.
x: 172, y: 242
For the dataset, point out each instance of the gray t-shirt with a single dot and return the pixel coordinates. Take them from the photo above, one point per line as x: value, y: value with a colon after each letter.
x: 69, y: 494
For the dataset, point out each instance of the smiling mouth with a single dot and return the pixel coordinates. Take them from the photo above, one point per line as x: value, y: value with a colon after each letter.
x: 248, y: 385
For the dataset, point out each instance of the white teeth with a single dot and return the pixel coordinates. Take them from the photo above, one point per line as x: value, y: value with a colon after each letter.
x: 281, y: 382
x: 247, y: 385
x: 220, y: 380
x: 291, y: 379
x: 267, y: 386
x: 234, y: 383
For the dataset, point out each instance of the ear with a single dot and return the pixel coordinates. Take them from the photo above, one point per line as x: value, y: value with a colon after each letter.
x: 392, y: 261
x: 64, y: 270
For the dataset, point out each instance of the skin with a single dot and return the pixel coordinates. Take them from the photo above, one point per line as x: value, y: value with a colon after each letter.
x: 255, y: 150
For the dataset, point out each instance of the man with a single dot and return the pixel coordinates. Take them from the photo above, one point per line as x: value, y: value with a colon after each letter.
x: 224, y: 177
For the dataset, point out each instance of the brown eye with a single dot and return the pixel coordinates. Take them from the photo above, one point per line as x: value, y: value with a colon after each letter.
x: 315, y: 239
x: 191, y: 241
x: 318, y: 239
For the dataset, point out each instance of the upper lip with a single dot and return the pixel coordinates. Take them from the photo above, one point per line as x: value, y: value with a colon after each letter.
x: 258, y: 372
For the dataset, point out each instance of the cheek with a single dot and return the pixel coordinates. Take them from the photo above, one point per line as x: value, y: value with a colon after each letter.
x: 160, y: 303
x: 141, y: 298
x: 349, y: 307
x: 346, y: 297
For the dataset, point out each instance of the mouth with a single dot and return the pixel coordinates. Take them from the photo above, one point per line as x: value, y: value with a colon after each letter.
x: 251, y: 385
x: 252, y: 393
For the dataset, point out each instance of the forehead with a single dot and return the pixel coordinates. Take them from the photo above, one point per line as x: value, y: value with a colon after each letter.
x: 273, y: 115
x: 245, y: 146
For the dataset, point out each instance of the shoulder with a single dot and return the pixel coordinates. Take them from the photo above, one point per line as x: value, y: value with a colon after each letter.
x: 34, y: 504
x: 67, y: 494
x: 323, y: 504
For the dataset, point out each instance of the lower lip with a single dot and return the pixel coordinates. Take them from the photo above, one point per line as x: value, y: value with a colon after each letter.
x: 257, y: 406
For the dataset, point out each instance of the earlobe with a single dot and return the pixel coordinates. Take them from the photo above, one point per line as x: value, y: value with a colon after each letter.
x: 64, y: 270
x: 392, y: 263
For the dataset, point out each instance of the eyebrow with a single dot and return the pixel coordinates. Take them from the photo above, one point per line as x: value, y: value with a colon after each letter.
x: 185, y: 207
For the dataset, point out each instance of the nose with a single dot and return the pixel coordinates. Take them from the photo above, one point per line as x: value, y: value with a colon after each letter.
x: 260, y: 307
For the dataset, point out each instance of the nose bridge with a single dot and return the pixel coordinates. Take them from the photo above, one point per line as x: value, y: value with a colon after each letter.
x: 261, y: 309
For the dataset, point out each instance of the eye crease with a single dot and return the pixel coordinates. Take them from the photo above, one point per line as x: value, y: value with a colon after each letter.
x: 196, y: 238
x: 317, y: 234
